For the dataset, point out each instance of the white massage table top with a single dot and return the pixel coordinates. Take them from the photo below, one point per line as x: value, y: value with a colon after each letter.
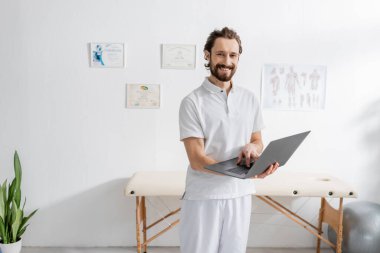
x: 291, y: 184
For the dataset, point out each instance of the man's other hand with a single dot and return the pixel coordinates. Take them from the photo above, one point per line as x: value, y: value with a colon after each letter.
x: 271, y: 169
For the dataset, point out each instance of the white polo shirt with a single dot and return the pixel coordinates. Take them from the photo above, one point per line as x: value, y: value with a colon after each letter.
x: 226, y: 124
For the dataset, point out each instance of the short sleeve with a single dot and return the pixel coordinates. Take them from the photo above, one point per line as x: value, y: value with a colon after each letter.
x: 189, y: 123
x: 258, y: 122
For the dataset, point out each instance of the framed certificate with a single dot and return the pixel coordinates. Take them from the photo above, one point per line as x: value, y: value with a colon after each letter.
x: 143, y: 96
x: 178, y: 56
x: 107, y: 55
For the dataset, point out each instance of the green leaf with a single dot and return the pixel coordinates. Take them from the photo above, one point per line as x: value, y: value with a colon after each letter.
x: 3, y: 235
x: 5, y: 189
x: 13, y: 213
x: 7, y: 236
x: 18, y: 175
x: 23, y: 206
x: 3, y: 199
x: 17, y: 168
x: 16, y: 224
x: 8, y: 218
x: 17, y: 197
x: 25, y: 219
x: 11, y: 192
x: 21, y: 232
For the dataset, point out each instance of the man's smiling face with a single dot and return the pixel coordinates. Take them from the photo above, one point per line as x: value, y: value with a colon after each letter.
x: 224, y: 58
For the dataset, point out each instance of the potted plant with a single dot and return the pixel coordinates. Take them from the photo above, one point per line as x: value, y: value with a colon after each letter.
x: 13, y: 222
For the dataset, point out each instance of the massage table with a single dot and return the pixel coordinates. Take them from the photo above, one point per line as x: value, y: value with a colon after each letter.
x: 281, y: 184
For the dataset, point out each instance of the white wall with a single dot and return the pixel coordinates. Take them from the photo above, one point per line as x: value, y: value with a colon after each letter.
x: 79, y: 144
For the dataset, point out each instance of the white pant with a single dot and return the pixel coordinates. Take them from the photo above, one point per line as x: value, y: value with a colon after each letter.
x: 215, y: 226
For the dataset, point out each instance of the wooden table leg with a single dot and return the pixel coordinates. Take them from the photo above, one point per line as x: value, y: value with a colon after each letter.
x: 144, y: 224
x: 138, y: 222
x: 320, y: 219
x: 334, y: 218
x: 339, y: 234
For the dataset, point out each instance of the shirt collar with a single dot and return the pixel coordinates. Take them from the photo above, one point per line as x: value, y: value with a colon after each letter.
x: 213, y: 88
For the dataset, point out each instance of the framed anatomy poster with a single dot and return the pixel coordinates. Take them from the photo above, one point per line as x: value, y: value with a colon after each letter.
x: 293, y: 87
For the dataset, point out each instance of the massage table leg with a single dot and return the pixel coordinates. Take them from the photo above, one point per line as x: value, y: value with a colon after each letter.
x: 141, y: 217
x: 339, y: 237
x: 142, y: 246
x: 138, y: 222
x: 334, y: 218
x: 320, y: 225
x: 144, y: 224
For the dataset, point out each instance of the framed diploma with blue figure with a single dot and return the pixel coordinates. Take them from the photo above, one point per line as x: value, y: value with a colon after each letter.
x: 107, y: 55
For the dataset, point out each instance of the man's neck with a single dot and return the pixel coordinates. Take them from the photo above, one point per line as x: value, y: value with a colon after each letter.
x: 223, y: 85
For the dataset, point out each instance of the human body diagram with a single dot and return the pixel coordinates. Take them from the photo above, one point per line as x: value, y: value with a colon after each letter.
x: 293, y: 87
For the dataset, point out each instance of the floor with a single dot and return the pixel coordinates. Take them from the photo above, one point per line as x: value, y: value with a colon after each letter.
x: 160, y: 250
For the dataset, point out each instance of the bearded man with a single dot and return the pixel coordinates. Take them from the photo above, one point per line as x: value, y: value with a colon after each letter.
x: 219, y: 121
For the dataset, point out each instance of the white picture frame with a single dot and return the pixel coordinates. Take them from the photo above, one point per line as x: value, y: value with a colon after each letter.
x: 107, y: 55
x: 178, y: 56
x: 143, y: 96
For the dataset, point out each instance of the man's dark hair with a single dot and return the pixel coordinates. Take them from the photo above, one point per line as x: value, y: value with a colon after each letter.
x: 226, y: 33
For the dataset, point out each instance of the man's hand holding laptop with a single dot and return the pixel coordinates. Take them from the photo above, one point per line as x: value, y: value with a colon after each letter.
x: 251, y: 152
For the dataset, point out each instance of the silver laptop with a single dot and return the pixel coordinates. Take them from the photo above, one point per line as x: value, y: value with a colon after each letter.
x: 277, y: 151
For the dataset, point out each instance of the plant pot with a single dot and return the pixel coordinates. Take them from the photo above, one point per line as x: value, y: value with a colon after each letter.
x: 11, y: 247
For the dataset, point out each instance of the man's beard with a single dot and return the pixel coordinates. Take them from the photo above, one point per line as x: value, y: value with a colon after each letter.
x: 222, y: 77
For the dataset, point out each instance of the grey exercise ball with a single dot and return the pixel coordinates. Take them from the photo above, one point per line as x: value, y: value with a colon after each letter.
x: 361, y: 228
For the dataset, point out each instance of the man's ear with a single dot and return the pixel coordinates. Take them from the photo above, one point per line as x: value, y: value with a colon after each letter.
x: 207, y: 55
